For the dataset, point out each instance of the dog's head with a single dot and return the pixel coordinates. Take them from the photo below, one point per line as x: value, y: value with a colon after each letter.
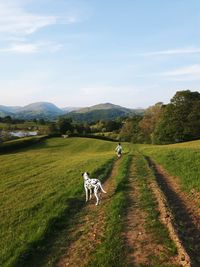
x: 85, y: 175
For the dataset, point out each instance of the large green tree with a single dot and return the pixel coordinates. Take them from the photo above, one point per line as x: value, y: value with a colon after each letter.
x: 150, y: 120
x: 64, y: 125
x: 131, y: 131
x: 180, y: 120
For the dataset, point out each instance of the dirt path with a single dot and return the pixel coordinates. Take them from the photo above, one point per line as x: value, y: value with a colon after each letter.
x: 88, y: 228
x: 142, y: 245
x: 186, y: 212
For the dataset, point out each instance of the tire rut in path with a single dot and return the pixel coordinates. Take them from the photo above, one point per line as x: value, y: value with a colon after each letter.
x: 186, y: 212
x: 88, y: 228
x: 141, y: 243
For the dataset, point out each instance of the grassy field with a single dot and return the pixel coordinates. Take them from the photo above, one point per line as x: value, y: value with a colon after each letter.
x: 37, y: 186
x: 181, y: 160
x: 41, y: 184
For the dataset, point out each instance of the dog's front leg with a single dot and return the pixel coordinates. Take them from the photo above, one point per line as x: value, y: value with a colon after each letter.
x: 90, y: 193
x: 86, y: 194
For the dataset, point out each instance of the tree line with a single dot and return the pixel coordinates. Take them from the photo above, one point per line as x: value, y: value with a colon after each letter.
x: 177, y: 121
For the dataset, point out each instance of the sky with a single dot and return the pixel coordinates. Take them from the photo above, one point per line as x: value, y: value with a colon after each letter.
x: 133, y: 53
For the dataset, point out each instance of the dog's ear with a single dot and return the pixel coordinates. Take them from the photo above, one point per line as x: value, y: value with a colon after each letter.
x: 88, y: 173
x: 82, y: 173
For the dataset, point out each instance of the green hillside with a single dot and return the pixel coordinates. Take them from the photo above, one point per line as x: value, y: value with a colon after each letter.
x: 43, y: 110
x: 39, y: 183
x: 181, y: 160
x: 95, y: 115
x: 105, y: 111
x: 102, y: 107
x: 5, y: 111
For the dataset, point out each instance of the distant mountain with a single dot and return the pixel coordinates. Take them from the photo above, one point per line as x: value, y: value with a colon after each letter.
x: 69, y: 109
x: 49, y: 111
x: 14, y: 109
x: 39, y: 110
x: 105, y: 106
x: 105, y: 111
x: 5, y: 111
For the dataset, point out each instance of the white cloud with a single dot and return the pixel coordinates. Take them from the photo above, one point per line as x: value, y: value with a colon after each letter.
x: 31, y: 48
x: 189, y: 70
x: 15, y: 20
x: 17, y: 24
x: 178, y: 51
x: 187, y: 73
x: 22, y: 48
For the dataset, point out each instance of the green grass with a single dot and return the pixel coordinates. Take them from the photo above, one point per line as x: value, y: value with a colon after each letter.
x: 48, y: 251
x: 112, y: 135
x: 111, y: 250
x: 40, y: 184
x: 20, y: 143
x: 37, y: 187
x: 180, y: 160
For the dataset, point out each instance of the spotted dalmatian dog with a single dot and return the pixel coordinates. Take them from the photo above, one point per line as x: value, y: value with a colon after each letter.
x: 91, y: 184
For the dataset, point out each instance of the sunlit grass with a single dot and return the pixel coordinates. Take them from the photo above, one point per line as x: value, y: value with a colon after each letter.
x: 181, y: 160
x: 36, y: 184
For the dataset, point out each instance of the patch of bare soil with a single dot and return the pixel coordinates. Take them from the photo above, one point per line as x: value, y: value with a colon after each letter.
x: 88, y: 228
x: 142, y: 246
x: 185, y: 208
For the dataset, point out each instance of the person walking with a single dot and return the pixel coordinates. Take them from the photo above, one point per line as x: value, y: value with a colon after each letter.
x: 118, y: 149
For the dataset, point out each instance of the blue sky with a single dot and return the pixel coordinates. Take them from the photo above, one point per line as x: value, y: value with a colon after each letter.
x: 82, y: 52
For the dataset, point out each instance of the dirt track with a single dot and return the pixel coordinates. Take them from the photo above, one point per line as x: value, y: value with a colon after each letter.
x: 184, y: 214
x: 179, y: 212
x: 143, y: 246
x: 88, y: 228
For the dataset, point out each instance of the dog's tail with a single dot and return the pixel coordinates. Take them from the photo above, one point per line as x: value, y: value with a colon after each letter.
x: 102, y: 189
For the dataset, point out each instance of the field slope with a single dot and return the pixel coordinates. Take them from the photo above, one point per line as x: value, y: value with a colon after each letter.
x: 176, y: 169
x: 149, y: 217
x: 38, y: 184
x: 181, y: 160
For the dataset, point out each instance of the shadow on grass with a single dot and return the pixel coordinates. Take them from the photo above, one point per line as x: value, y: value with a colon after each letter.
x: 188, y: 233
x: 37, y: 253
x: 22, y: 145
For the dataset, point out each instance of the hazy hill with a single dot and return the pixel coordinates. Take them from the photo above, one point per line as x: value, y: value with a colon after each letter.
x: 36, y: 110
x: 5, y: 111
x: 105, y: 106
x: 39, y: 110
x: 50, y: 111
x: 105, y: 111
x: 69, y: 109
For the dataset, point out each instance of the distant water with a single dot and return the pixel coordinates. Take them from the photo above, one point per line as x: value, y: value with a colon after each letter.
x: 23, y: 134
